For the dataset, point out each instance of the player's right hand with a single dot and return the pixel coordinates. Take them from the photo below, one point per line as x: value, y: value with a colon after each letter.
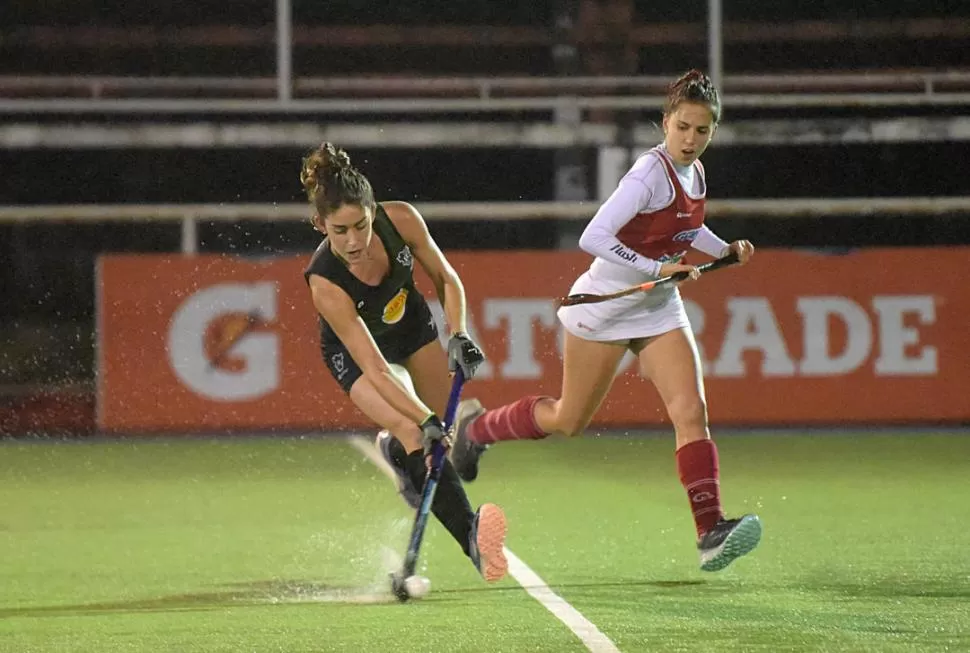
x: 669, y: 269
x: 464, y: 353
x: 432, y: 430
x: 744, y: 250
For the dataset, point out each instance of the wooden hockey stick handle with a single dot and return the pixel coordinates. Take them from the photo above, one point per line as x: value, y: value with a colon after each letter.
x: 592, y: 298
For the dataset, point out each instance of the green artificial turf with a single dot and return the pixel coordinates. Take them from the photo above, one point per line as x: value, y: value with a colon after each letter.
x: 261, y: 544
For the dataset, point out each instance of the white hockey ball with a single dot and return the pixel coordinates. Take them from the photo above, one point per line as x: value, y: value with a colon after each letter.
x: 417, y: 586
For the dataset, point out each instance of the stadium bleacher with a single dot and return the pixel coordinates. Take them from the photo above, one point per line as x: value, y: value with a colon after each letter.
x: 106, y: 49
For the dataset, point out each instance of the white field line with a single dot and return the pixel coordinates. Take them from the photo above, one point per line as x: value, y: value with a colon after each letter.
x: 592, y: 637
x: 587, y: 632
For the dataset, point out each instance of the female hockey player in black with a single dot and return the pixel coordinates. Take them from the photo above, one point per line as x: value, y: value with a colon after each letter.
x: 371, y: 315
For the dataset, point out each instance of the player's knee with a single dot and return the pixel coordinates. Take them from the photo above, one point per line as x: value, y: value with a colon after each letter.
x: 408, y: 434
x: 688, y: 412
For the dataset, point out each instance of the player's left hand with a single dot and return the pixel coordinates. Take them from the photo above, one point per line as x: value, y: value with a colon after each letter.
x: 744, y: 249
x: 432, y: 430
x: 464, y: 353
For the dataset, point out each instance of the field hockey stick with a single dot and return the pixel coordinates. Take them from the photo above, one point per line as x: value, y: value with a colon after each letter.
x: 427, y: 495
x: 592, y: 298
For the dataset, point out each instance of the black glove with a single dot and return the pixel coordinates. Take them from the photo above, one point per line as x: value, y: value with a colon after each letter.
x: 464, y: 353
x: 432, y: 431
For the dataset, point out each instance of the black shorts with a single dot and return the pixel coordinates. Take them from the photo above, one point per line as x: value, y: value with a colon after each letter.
x: 413, y: 332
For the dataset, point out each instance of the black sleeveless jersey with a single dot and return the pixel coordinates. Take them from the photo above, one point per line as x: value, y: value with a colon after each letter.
x: 381, y: 306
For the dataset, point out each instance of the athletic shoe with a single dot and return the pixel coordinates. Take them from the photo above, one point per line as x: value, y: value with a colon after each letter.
x: 465, y: 453
x: 727, y: 541
x: 486, y: 542
x: 392, y: 451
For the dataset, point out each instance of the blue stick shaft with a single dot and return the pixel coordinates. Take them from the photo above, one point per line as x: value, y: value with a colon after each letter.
x: 431, y: 483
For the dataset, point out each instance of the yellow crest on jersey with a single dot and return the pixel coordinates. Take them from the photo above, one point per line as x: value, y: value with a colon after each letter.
x: 394, y: 309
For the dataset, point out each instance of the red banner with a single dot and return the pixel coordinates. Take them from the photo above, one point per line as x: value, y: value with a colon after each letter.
x: 792, y: 338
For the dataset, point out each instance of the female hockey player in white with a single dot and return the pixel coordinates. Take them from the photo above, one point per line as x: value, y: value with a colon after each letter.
x: 640, y: 233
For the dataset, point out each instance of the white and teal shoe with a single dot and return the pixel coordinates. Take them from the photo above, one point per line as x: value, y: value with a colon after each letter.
x: 727, y: 541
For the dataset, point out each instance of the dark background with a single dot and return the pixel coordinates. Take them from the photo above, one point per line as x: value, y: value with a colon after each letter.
x: 47, y: 281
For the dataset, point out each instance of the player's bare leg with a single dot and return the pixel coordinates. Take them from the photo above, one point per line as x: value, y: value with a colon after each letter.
x: 428, y: 368
x: 397, y: 438
x: 671, y: 361
x: 588, y: 371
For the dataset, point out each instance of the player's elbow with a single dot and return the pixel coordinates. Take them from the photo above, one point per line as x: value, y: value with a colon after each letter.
x: 447, y: 278
x: 590, y: 241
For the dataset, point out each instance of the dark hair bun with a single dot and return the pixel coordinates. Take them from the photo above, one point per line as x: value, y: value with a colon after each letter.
x: 323, y: 164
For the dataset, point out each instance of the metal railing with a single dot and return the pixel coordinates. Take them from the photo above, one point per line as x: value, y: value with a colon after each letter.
x: 188, y: 216
x: 482, y: 88
x: 440, y: 95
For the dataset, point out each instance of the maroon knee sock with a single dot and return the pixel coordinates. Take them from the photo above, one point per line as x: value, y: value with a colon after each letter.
x: 514, y: 421
x: 697, y: 465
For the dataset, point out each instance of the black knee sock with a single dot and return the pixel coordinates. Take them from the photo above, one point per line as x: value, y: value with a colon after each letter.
x: 398, y: 453
x: 450, y: 503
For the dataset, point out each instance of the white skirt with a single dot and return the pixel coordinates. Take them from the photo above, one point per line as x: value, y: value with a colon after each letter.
x: 640, y: 315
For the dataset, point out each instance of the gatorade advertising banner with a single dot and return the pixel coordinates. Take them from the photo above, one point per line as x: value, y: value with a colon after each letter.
x: 219, y: 343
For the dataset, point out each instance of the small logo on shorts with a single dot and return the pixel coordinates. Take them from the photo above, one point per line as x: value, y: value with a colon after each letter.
x: 360, y: 305
x: 580, y: 325
x: 339, y: 365
x: 682, y: 214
